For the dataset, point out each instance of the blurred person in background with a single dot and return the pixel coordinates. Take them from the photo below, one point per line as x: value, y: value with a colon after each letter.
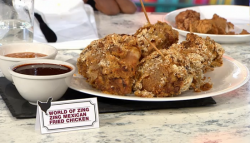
x: 113, y: 7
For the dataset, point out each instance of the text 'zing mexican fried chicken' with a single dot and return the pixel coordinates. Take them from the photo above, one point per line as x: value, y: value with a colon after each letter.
x: 109, y: 64
x: 182, y: 67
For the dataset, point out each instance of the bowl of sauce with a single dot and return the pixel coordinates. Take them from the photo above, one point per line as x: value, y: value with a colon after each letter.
x: 13, y: 53
x: 42, y: 69
x: 41, y: 79
x: 25, y: 55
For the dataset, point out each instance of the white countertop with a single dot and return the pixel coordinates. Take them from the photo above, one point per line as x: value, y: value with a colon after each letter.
x: 226, y: 122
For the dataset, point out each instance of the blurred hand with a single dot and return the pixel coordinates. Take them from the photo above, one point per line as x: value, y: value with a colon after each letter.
x: 113, y: 7
x: 109, y: 7
x: 127, y: 6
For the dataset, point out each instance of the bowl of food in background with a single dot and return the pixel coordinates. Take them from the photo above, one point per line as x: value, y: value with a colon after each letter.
x: 13, y: 53
x: 41, y: 79
x: 219, y: 22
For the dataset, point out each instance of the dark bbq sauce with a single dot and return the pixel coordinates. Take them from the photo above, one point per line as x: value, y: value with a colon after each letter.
x: 42, y: 69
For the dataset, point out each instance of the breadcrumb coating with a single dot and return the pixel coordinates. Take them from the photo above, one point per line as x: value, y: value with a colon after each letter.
x: 160, y: 34
x: 185, y: 18
x: 182, y: 67
x: 122, y: 64
x: 109, y: 64
x: 189, y: 20
x: 161, y: 77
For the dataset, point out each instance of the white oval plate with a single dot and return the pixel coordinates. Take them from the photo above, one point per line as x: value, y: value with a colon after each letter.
x: 238, y: 15
x: 230, y: 76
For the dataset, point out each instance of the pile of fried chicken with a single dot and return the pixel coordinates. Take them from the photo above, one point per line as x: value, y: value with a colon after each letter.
x: 189, y: 20
x: 124, y: 64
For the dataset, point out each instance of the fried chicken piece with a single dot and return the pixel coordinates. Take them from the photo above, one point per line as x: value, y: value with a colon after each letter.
x: 162, y: 77
x: 183, y: 19
x: 109, y: 64
x: 222, y: 25
x: 182, y: 67
x: 241, y: 33
x: 244, y: 32
x: 203, y: 54
x: 160, y: 34
x: 211, y: 53
x: 230, y: 26
x: 189, y: 20
x: 216, y: 25
x: 205, y: 26
x: 231, y: 33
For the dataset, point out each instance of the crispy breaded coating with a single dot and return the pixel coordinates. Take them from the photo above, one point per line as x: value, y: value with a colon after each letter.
x: 182, y: 67
x: 207, y: 48
x: 222, y: 25
x: 109, y: 64
x: 210, y: 53
x: 189, y: 20
x: 216, y: 25
x: 178, y: 71
x: 244, y: 32
x: 162, y: 77
x: 205, y: 26
x: 183, y: 19
x: 160, y: 34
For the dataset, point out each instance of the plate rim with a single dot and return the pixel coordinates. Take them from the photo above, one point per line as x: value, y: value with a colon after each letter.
x: 176, y: 98
x: 202, y: 34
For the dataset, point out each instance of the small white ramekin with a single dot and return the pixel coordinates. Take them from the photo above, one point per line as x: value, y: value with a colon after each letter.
x: 33, y: 88
x: 6, y: 62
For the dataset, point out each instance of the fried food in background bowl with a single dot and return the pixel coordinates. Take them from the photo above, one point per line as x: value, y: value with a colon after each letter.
x: 216, y: 21
x: 185, y: 18
x: 188, y: 20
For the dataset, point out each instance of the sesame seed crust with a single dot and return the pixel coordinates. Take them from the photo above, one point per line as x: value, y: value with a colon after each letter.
x: 161, y: 34
x: 109, y: 64
x: 183, y: 67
